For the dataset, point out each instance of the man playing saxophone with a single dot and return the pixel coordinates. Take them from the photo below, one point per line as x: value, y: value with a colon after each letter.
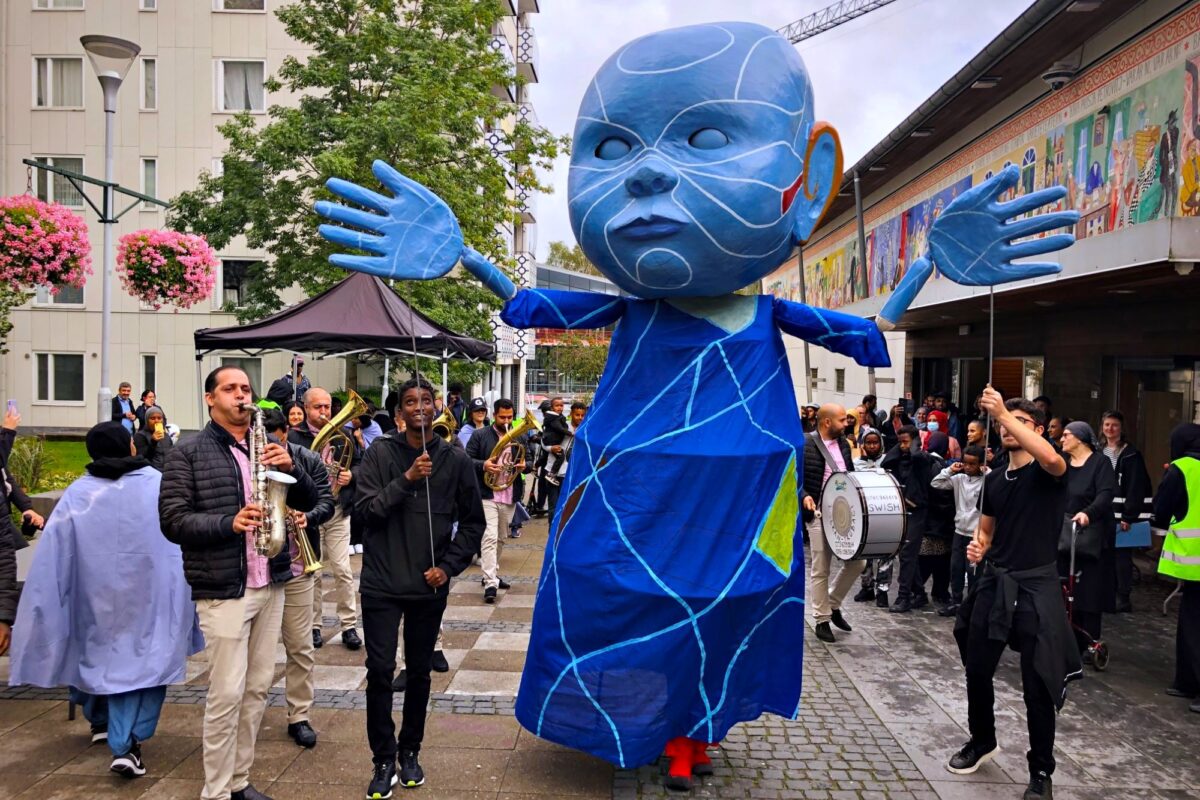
x: 299, y: 687
x: 206, y: 506
x: 335, y: 533
x: 498, y: 505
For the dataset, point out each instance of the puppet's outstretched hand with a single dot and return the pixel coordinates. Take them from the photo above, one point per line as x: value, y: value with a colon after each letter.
x: 971, y: 242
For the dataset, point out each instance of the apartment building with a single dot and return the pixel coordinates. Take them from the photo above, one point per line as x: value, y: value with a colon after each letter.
x: 201, y: 61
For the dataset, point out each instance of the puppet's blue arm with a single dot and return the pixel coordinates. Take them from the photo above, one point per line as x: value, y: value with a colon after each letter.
x: 551, y: 308
x: 488, y: 274
x: 912, y: 283
x: 842, y: 333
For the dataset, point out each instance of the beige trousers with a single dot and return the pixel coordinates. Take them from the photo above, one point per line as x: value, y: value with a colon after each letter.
x: 240, y: 635
x: 335, y: 557
x: 821, y: 597
x: 297, y: 640
x: 498, y: 516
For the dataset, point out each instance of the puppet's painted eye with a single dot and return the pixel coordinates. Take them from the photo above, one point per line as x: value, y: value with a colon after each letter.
x: 708, y: 139
x: 612, y: 148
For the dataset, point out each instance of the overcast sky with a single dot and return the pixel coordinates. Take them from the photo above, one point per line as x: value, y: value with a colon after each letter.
x: 868, y: 74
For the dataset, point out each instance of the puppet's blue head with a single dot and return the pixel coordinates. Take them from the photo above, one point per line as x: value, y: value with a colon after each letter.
x: 697, y: 163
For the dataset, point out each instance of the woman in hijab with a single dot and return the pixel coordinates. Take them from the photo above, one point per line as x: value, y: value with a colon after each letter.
x: 1091, y: 487
x: 152, y: 442
x: 118, y: 630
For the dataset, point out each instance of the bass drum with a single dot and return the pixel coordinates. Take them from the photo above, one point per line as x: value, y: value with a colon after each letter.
x: 863, y: 515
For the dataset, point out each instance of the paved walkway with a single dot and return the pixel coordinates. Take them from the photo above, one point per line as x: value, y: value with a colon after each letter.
x: 883, y: 708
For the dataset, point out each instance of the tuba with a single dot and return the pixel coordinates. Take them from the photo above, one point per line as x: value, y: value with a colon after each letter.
x: 268, y: 490
x: 332, y: 433
x: 508, y: 453
x: 445, y: 425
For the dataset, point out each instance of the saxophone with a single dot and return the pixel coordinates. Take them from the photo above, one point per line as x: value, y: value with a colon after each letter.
x: 268, y: 489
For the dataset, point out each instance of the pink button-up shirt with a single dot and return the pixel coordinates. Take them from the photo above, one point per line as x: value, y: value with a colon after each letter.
x: 258, y: 570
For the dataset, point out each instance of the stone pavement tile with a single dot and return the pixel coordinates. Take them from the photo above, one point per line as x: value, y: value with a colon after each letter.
x: 1013, y: 736
x: 468, y: 681
x: 1125, y: 767
x: 271, y: 757
x: 528, y: 741
x: 505, y: 613
x: 454, y: 657
x: 532, y: 567
x: 930, y: 747
x: 43, y: 744
x: 481, y: 612
x: 440, y: 681
x: 455, y: 768
x: 339, y: 763
x: 13, y: 783
x: 514, y: 599
x: 173, y: 789
x: 68, y: 787
x: 338, y: 725
x: 328, y: 677
x: 557, y: 774
x: 181, y: 720
x: 517, y: 642
x: 331, y: 791
x: 200, y: 678
x: 459, y: 640
x: 899, y: 699
x: 1179, y: 794
x: 494, y: 661
x: 471, y: 731
x: 521, y: 590
x: 194, y: 670
x: 17, y: 712
x: 160, y: 754
x: 339, y: 656
x: 960, y: 790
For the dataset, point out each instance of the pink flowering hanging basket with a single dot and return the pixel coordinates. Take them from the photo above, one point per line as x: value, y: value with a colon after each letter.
x: 166, y: 267
x: 42, y: 244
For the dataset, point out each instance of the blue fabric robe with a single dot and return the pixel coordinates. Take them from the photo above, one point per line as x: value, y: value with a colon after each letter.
x: 671, y: 600
x: 106, y: 608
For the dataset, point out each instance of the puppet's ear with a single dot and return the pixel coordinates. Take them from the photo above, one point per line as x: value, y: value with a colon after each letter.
x: 822, y: 179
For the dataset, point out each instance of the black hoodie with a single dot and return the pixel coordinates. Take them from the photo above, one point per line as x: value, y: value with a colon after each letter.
x: 1171, y: 500
x: 396, y: 516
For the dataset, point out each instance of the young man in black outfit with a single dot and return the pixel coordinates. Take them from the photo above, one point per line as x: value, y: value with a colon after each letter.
x: 411, y: 487
x: 913, y: 470
x: 1017, y: 601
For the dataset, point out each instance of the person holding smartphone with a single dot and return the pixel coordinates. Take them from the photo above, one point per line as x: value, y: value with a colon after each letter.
x: 151, y: 441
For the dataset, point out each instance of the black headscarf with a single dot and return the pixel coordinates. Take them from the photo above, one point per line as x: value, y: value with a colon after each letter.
x: 1185, y: 440
x: 108, y: 445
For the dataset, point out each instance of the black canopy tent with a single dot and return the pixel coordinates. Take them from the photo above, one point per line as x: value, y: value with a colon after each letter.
x: 360, y: 316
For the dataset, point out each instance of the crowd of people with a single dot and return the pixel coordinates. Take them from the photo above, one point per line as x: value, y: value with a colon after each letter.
x: 193, y: 576
x: 999, y: 505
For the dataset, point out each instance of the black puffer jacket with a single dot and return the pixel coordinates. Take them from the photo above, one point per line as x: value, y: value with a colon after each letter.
x: 8, y: 581
x: 323, y: 510
x: 155, y: 452
x: 814, y: 469
x: 201, y: 492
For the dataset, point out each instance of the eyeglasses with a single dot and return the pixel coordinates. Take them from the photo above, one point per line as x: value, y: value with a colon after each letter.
x: 1025, y: 421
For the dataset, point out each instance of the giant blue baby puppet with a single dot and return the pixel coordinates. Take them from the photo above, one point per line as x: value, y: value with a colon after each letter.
x: 671, y: 599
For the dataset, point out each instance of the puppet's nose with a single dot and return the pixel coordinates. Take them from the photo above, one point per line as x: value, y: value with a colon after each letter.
x: 650, y: 178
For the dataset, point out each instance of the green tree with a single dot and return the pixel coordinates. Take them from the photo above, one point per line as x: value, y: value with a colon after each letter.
x: 580, y: 357
x: 10, y: 298
x: 570, y: 257
x: 409, y: 83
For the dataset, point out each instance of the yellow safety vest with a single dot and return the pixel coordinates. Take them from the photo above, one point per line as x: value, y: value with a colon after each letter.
x: 1181, y: 551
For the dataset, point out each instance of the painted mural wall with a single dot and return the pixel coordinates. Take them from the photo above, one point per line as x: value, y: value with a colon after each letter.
x: 1123, y: 137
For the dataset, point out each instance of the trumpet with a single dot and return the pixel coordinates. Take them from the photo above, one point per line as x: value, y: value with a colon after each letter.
x: 304, y: 551
x: 332, y: 432
x: 508, y: 453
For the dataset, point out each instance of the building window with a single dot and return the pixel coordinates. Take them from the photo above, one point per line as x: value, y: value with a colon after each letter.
x: 58, y: 83
x: 240, y: 86
x: 59, y: 377
x: 149, y: 182
x: 66, y: 296
x: 235, y: 281
x: 813, y: 378
x: 149, y: 84
x: 54, y: 188
x: 149, y: 372
x: 148, y: 5
x: 839, y: 380
x: 239, y: 5
x: 251, y: 366
x: 57, y: 5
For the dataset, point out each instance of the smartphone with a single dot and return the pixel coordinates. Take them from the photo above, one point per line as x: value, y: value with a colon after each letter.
x: 12, y: 406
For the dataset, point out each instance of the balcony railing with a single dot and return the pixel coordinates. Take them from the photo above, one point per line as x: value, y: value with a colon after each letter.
x: 527, y: 54
x: 527, y: 204
x: 526, y: 268
x: 526, y: 114
x: 506, y: 91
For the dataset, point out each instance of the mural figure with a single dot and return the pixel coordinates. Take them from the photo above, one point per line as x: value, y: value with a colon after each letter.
x: 671, y: 608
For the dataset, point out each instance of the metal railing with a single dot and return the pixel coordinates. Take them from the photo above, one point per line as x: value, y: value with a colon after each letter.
x: 527, y: 54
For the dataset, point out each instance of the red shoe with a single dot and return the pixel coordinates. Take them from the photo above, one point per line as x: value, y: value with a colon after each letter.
x: 679, y: 773
x: 701, y: 763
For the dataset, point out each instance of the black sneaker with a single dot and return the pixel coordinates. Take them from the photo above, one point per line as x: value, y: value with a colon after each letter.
x: 881, y: 600
x: 1040, y: 787
x: 948, y: 610
x: 865, y: 595
x: 350, y: 639
x: 129, y: 765
x: 503, y: 584
x: 920, y: 601
x: 489, y: 595
x: 970, y: 758
x: 249, y: 793
x: 837, y: 619
x: 902, y: 606
x: 401, y: 681
x: 824, y: 633
x: 303, y: 734
x: 439, y: 662
x: 318, y: 640
x: 99, y: 734
x: 411, y: 774
x: 383, y: 781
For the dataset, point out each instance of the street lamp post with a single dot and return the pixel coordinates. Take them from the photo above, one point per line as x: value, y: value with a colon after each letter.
x: 111, y: 59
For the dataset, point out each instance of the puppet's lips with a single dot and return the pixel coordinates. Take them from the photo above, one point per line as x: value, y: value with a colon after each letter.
x: 653, y: 227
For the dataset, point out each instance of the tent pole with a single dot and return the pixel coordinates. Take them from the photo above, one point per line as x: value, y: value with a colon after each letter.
x: 200, y: 392
x: 383, y: 392
x: 445, y: 390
